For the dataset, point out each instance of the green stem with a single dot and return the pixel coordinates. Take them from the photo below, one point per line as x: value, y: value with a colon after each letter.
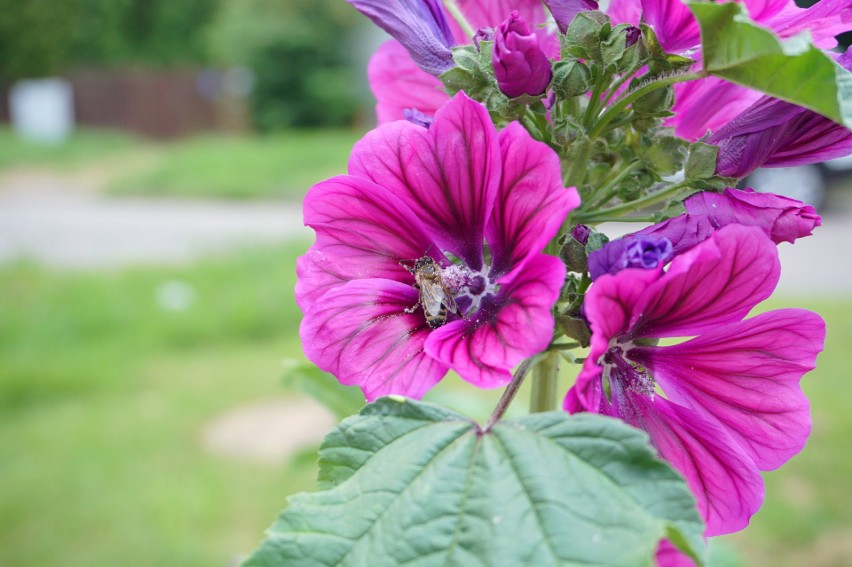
x: 456, y: 13
x: 576, y: 173
x: 621, y: 80
x: 509, y: 393
x: 545, y: 384
x: 594, y: 100
x: 564, y: 346
x: 644, y: 218
x: 645, y: 201
x: 633, y: 95
x: 610, y: 188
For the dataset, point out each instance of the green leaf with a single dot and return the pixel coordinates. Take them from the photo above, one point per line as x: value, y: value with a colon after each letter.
x: 410, y: 483
x: 701, y: 161
x: 341, y: 400
x: 741, y: 52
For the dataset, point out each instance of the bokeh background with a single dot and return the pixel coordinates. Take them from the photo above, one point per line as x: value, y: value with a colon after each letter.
x: 153, y: 406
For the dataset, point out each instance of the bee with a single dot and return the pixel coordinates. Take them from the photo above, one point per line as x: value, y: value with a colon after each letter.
x: 435, y: 297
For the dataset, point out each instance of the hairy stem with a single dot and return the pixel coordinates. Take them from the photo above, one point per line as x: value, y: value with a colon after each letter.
x: 545, y: 384
x: 607, y: 191
x: 509, y: 393
x: 457, y: 14
x: 627, y: 98
x: 645, y: 201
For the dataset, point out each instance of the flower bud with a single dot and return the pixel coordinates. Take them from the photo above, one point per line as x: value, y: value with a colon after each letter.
x: 571, y: 78
x: 520, y: 66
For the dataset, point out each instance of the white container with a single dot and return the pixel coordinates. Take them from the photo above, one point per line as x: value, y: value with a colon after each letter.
x: 42, y: 110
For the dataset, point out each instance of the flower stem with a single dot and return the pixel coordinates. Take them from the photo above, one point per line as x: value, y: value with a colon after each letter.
x: 631, y: 96
x: 647, y: 200
x: 509, y: 393
x: 456, y: 13
x: 610, y: 188
x: 579, y: 162
x: 545, y: 384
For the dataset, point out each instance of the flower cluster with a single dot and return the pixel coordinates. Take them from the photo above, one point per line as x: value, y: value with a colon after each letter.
x: 438, y: 250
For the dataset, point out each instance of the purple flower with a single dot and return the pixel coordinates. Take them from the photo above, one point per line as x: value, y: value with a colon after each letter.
x: 780, y: 218
x: 775, y: 133
x: 419, y: 25
x: 564, y: 10
x: 581, y: 233
x: 413, y: 192
x: 723, y: 405
x: 520, y: 66
x: 416, y: 117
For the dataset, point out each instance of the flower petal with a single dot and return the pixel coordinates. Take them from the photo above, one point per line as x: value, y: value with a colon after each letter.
x: 781, y: 218
x: 716, y: 282
x: 515, y: 324
x: 419, y: 25
x: 532, y: 202
x: 363, y: 231
x: 361, y: 333
x: 447, y: 175
x: 745, y: 376
x: 707, y: 104
x: 726, y: 484
x: 398, y: 83
x: 609, y: 307
x: 489, y: 14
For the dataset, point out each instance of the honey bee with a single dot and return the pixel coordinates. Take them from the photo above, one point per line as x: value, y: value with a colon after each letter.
x: 435, y: 297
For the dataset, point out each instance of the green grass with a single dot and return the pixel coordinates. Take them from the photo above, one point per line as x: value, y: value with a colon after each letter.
x: 104, y: 394
x: 86, y: 146
x: 276, y: 166
x: 279, y: 166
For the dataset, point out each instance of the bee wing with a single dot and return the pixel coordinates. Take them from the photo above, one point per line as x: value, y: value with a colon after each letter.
x: 449, y: 302
x: 432, y: 296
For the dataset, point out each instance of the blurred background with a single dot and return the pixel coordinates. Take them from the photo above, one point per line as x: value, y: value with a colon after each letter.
x: 153, y: 406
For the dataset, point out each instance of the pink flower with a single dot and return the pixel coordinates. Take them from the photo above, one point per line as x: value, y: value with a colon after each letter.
x: 398, y: 83
x: 724, y: 405
x: 709, y: 103
x: 413, y: 192
x: 775, y: 133
x: 520, y: 66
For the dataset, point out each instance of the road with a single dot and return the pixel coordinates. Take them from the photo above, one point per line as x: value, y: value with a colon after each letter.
x: 42, y: 219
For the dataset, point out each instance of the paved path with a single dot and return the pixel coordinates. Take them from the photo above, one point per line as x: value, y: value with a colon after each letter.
x: 68, y: 227
x: 42, y: 219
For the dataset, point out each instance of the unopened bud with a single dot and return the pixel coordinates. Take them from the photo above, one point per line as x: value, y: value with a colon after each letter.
x: 520, y: 66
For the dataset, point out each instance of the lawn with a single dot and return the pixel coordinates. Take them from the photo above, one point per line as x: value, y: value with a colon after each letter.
x: 106, y: 381
x: 277, y: 166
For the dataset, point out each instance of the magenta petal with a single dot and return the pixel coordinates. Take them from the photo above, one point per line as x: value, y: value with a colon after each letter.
x: 716, y: 282
x: 673, y: 23
x: 362, y: 232
x: 707, y: 104
x: 824, y: 20
x: 746, y: 377
x: 509, y: 327
x: 447, y: 175
x: 489, y: 14
x: 398, y: 84
x: 609, y: 307
x: 532, y: 202
x: 726, y: 484
x: 670, y: 556
x: 360, y: 333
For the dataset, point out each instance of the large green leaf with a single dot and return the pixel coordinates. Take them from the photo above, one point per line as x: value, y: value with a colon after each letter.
x: 410, y: 483
x: 739, y: 51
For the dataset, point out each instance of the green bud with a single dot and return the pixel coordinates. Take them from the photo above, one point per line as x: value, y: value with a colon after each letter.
x: 570, y: 78
x: 575, y: 328
x: 585, y: 32
x: 573, y: 253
